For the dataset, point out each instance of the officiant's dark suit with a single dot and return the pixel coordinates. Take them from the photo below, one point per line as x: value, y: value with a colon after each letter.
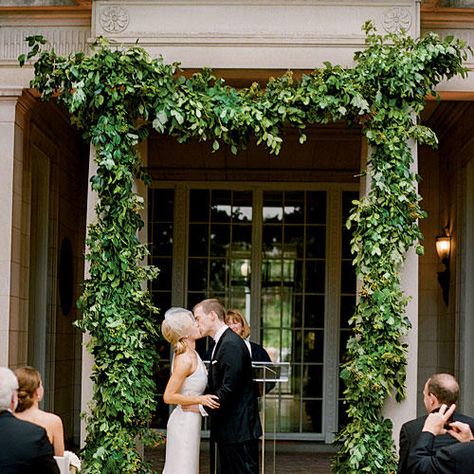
x: 24, y: 447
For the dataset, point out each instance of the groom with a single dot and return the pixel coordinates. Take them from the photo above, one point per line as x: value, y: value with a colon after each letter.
x: 235, y: 426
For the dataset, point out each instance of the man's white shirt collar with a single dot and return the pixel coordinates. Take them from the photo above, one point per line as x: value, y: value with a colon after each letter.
x: 217, y: 336
x: 219, y: 333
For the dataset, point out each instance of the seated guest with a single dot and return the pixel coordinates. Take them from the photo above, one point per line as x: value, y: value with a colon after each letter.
x: 439, y: 389
x: 24, y: 447
x: 454, y: 459
x: 30, y: 393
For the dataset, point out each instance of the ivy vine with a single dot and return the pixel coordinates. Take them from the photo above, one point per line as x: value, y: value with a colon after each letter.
x: 115, y: 96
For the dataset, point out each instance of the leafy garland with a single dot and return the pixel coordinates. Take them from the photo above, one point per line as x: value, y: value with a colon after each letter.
x: 115, y: 95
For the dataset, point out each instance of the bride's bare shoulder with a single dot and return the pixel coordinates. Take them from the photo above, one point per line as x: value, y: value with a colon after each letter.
x: 186, y: 361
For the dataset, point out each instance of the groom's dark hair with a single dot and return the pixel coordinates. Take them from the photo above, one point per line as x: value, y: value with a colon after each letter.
x: 212, y: 304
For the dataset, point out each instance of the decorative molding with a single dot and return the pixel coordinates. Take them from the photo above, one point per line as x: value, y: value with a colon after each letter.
x: 64, y: 39
x: 397, y: 19
x: 10, y: 91
x: 114, y: 19
x: 264, y: 3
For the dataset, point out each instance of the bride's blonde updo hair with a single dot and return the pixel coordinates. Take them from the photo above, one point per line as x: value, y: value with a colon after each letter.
x: 176, y: 327
x: 29, y: 379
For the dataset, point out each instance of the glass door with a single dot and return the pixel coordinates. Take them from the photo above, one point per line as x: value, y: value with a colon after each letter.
x: 281, y: 257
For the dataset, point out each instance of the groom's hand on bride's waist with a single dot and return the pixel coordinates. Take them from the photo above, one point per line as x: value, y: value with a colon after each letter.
x: 191, y: 408
x: 211, y: 401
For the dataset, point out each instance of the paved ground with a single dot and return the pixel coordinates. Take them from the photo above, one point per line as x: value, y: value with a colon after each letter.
x: 294, y: 458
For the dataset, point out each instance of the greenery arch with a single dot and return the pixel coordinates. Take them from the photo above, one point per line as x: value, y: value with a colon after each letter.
x: 115, y: 95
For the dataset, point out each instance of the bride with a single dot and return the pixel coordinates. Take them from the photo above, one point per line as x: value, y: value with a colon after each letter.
x: 185, y: 388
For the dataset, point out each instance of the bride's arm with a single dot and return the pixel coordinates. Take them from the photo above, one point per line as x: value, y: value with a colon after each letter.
x: 182, y: 368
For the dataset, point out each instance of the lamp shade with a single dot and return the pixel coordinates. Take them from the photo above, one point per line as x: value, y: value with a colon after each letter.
x: 443, y: 247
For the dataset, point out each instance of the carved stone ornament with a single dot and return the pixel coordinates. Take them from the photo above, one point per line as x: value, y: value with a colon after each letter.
x: 114, y: 19
x: 397, y: 19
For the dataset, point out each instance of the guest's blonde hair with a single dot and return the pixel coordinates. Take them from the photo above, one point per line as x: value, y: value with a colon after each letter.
x: 29, y: 379
x: 234, y: 315
x: 176, y: 327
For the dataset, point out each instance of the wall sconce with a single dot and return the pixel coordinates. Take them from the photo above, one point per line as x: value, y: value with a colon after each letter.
x: 443, y: 249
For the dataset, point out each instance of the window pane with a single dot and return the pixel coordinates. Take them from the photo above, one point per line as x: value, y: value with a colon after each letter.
x: 197, y: 274
x: 313, y: 381
x: 198, y: 240
x: 194, y: 298
x: 271, y: 341
x: 221, y: 206
x: 314, y: 311
x: 162, y: 300
x: 162, y: 201
x: 199, y: 205
x: 314, y: 346
x: 347, y: 309
x: 242, y: 207
x: 272, y: 207
x: 242, y: 237
x: 315, y: 242
x: 346, y: 243
x: 163, y: 281
x: 315, y: 276
x: 345, y: 335
x: 297, y: 311
x: 313, y: 416
x: 220, y: 239
x: 316, y: 207
x: 218, y: 275
x: 294, y: 240
x: 348, y: 277
x: 272, y: 238
x: 294, y: 207
x: 162, y: 238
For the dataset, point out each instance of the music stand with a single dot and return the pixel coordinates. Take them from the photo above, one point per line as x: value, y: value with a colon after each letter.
x: 269, y: 373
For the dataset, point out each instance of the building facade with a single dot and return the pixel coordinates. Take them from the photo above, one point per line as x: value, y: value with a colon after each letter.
x: 265, y: 234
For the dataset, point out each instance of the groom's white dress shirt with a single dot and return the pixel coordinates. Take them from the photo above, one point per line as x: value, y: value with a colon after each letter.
x: 216, y: 338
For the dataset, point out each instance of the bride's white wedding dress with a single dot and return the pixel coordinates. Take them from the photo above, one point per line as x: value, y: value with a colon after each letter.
x: 183, y: 432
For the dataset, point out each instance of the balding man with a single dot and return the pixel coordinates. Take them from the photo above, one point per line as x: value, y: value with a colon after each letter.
x: 24, y: 447
x: 457, y: 458
x: 439, y: 389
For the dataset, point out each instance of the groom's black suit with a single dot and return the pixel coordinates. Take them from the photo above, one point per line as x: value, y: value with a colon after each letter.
x: 235, y: 426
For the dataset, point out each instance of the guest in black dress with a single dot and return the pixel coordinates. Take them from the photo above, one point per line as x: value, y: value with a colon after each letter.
x: 237, y: 322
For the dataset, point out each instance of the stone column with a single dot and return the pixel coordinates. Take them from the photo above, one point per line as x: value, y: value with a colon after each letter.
x: 87, y: 359
x: 8, y: 102
x: 399, y: 413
